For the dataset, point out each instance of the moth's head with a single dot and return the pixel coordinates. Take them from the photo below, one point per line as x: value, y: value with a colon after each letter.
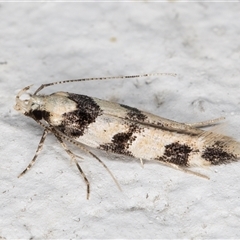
x: 24, y: 105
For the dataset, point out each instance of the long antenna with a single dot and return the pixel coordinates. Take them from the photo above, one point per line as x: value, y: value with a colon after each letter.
x: 103, y: 78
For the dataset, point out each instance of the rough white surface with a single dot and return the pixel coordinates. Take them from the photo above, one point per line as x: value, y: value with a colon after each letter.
x: 45, y: 42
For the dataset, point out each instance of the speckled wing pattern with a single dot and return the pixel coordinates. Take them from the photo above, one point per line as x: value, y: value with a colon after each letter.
x: 125, y: 130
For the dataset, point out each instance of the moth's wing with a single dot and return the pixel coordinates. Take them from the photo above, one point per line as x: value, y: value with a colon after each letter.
x: 135, y: 115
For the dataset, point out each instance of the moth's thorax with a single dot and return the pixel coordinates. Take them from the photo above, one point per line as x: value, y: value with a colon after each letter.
x: 48, y: 107
x: 57, y: 103
x: 52, y: 107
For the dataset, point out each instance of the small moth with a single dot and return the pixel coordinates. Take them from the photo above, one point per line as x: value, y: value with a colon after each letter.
x: 91, y: 122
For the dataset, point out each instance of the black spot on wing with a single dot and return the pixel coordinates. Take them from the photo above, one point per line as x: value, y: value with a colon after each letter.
x: 134, y: 114
x: 216, y: 154
x: 122, y: 141
x: 36, y: 114
x: 76, y: 122
x: 176, y: 153
x: 40, y: 114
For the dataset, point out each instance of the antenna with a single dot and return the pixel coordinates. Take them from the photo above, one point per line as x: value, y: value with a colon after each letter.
x: 103, y: 78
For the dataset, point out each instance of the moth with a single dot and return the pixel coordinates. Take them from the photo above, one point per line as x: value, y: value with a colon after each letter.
x: 91, y: 122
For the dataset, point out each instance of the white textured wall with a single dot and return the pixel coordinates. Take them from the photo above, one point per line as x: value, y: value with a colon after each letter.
x: 45, y: 42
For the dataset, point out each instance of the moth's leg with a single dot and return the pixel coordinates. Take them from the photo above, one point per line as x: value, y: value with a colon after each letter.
x: 206, y: 123
x: 39, y: 149
x: 172, y: 165
x: 73, y: 157
x: 142, y: 163
x: 83, y: 148
x: 104, y: 165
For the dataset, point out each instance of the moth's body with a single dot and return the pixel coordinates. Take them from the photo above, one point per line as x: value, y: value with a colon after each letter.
x: 91, y: 122
x: 125, y: 130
